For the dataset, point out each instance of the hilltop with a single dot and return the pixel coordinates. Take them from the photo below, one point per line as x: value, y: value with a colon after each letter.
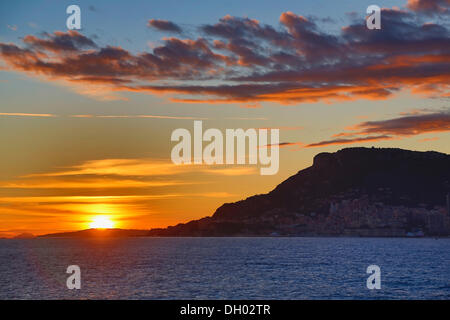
x: 93, y: 233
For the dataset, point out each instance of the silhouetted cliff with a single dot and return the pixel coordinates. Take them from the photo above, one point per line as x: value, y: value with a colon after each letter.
x: 355, y: 191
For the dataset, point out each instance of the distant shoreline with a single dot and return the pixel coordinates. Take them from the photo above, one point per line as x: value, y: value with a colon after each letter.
x: 125, y: 233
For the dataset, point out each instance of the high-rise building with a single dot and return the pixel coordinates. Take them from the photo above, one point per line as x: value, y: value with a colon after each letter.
x: 448, y: 204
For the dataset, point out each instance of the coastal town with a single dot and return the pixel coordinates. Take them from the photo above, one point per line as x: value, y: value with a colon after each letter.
x: 360, y: 217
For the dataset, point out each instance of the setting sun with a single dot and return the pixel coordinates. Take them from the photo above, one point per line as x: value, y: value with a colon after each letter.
x: 101, y: 222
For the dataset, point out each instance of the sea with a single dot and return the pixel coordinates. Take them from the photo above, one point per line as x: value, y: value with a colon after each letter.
x: 225, y: 268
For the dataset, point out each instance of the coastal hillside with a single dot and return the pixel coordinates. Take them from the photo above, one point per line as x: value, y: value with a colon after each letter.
x: 352, y: 192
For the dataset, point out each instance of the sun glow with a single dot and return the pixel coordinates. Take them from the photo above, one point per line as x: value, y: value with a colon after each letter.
x: 101, y: 222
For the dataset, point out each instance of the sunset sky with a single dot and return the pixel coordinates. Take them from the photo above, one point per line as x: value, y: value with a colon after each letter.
x: 86, y: 116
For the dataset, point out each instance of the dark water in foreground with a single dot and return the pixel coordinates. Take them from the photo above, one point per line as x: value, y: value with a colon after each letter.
x: 225, y: 268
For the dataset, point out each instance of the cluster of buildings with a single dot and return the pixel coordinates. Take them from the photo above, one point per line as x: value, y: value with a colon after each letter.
x: 356, y: 217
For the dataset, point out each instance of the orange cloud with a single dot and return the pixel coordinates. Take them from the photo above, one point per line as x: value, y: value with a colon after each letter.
x: 415, y: 124
x: 240, y: 60
x: 85, y: 183
x: 141, y: 168
x: 15, y: 114
x: 429, y: 139
x: 430, y: 7
x: 347, y: 141
x: 140, y: 116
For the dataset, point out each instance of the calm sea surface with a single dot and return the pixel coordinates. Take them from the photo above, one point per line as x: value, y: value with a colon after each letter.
x: 225, y: 268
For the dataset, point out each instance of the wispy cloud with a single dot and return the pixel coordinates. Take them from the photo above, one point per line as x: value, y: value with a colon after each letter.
x: 140, y: 116
x: 414, y: 124
x: 141, y: 167
x: 348, y: 141
x: 405, y: 126
x: 429, y: 139
x: 287, y: 128
x: 33, y: 25
x: 234, y: 171
x: 283, y: 144
x: 123, y: 199
x: 12, y: 27
x: 164, y: 25
x: 246, y: 118
x: 16, y: 114
x: 430, y: 7
x: 251, y: 106
x: 86, y: 183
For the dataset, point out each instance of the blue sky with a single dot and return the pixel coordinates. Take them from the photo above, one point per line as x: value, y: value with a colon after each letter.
x: 117, y: 21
